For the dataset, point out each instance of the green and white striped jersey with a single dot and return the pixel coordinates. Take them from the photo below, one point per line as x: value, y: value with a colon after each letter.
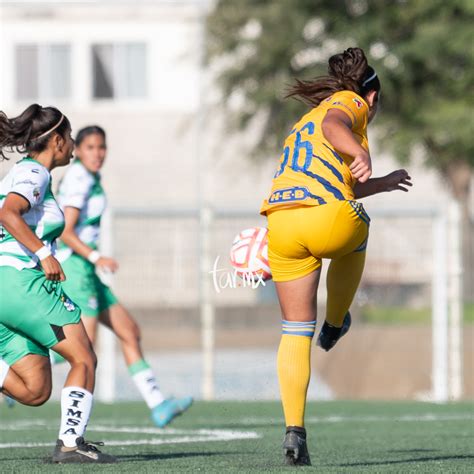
x: 82, y: 189
x: 32, y: 180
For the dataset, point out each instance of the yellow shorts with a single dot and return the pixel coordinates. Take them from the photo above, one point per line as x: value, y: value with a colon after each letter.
x: 299, y: 237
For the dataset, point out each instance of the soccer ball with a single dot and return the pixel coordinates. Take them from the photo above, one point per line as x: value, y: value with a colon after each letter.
x: 249, y: 254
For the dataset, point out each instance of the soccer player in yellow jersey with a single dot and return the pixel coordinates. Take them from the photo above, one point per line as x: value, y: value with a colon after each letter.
x: 312, y: 214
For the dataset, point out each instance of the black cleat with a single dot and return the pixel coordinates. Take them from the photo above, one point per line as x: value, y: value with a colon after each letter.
x: 83, y: 452
x: 294, y: 447
x: 329, y: 335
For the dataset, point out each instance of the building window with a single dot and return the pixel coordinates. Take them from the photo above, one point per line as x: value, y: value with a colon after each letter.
x: 43, y: 71
x: 119, y: 71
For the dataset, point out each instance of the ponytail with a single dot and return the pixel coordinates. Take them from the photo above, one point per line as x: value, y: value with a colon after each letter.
x: 31, y: 130
x: 346, y: 71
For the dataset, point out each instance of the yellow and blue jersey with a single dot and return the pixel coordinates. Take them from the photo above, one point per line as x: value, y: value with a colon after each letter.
x: 311, y: 171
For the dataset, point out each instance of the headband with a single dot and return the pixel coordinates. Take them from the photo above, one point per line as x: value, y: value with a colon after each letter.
x: 51, y: 129
x: 373, y: 76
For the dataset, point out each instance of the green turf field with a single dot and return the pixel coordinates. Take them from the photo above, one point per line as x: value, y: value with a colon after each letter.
x: 246, y: 437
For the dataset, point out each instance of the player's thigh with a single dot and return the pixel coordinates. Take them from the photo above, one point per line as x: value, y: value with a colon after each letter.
x: 288, y: 256
x: 35, y: 371
x: 298, y: 297
x: 76, y: 346
x: 30, y: 364
x: 36, y: 308
x: 90, y: 325
x: 105, y: 297
x: 121, y: 322
x: 87, y: 291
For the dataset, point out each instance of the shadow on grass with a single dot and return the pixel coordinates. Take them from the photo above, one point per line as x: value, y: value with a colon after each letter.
x: 414, y: 450
x: 168, y: 456
x: 131, y: 457
x: 413, y: 460
x: 23, y: 458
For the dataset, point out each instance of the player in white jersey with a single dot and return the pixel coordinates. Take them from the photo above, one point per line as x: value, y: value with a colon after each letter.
x: 83, y: 201
x: 36, y: 315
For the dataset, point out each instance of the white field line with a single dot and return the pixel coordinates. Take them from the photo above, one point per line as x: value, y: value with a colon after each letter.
x: 403, y: 418
x: 179, y: 436
x: 104, y: 427
x: 248, y: 421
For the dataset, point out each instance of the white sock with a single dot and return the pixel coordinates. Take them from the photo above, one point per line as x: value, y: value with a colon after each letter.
x: 76, y: 406
x: 145, y: 381
x: 4, y: 368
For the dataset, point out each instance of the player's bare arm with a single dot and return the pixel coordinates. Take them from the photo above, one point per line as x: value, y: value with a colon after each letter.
x: 11, y: 218
x: 72, y: 240
x: 337, y: 129
x: 397, y: 180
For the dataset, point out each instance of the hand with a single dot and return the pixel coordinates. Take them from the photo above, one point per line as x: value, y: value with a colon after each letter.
x: 398, y: 179
x: 52, y: 269
x: 361, y: 167
x: 107, y: 264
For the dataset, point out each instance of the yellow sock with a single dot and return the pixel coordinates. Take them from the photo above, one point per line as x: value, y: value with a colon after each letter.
x: 343, y: 279
x: 294, y: 369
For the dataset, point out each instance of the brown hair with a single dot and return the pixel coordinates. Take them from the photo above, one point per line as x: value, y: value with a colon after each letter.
x: 25, y: 132
x: 89, y: 130
x: 347, y: 71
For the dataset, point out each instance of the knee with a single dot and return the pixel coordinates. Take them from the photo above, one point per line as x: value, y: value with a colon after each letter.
x: 40, y: 400
x: 37, y: 395
x: 91, y: 361
x: 132, y: 335
x: 136, y: 333
x: 88, y: 361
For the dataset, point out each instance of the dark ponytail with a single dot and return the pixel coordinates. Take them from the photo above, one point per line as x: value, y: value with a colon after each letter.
x: 25, y: 133
x: 347, y: 71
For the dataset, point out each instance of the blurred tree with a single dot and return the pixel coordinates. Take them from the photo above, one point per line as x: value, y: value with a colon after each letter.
x: 422, y: 50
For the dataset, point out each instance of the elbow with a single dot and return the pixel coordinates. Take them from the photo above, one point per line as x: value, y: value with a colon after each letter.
x: 69, y: 236
x: 65, y: 236
x: 4, y: 216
